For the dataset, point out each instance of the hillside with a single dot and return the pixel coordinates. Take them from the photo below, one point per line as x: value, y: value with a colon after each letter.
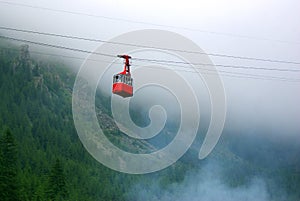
x: 36, y: 107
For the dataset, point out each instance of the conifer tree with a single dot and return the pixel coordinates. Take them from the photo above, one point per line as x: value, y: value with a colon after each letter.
x: 57, y: 183
x: 8, y: 167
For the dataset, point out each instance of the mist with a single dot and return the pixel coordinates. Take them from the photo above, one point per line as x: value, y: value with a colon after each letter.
x: 256, y: 107
x: 205, y: 184
x: 252, y: 103
x: 262, y: 116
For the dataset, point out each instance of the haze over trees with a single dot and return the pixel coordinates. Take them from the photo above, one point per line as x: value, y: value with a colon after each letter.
x: 42, y: 157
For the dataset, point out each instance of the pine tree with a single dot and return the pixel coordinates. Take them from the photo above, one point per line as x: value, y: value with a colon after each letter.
x: 8, y: 167
x: 57, y: 183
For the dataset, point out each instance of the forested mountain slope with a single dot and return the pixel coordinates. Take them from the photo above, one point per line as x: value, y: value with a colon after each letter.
x: 42, y: 157
x: 36, y: 106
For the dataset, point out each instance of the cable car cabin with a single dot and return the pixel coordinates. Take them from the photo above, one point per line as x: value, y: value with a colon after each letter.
x: 122, y: 82
x: 122, y: 85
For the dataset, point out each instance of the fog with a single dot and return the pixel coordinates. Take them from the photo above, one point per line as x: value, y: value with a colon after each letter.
x: 260, y: 29
x: 205, y: 185
x: 265, y: 109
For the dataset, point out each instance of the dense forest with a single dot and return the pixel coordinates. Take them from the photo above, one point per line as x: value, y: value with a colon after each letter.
x: 42, y: 157
x: 41, y: 151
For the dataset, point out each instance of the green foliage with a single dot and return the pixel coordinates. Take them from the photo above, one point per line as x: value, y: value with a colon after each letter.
x: 8, y: 167
x: 57, y: 183
x: 36, y: 105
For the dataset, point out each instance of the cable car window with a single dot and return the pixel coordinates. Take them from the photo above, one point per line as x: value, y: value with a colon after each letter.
x: 116, y: 78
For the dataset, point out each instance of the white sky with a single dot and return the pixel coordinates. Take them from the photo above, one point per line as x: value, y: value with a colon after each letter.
x: 273, y: 20
x: 269, y: 19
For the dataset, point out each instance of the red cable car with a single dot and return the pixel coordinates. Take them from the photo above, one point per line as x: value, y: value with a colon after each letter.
x: 122, y: 82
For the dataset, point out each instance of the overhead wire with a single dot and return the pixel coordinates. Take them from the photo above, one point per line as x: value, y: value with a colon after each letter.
x: 146, y: 23
x: 168, y: 49
x: 218, y: 65
x: 190, y: 70
x: 235, y: 73
x: 56, y: 46
x: 108, y: 55
x: 51, y: 54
